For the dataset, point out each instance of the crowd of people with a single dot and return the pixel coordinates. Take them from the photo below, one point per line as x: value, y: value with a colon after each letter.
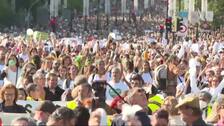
x: 136, y: 80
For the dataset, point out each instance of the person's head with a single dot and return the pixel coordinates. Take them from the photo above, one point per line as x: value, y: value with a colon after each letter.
x: 85, y: 92
x: 9, y: 93
x: 28, y: 67
x: 215, y: 81
x: 160, y: 118
x: 23, y: 121
x: 217, y: 70
x: 209, y: 74
x: 62, y: 71
x: 98, y: 118
x: 205, y: 96
x: 137, y: 96
x: 129, y: 66
x: 82, y: 115
x: 62, y: 117
x: 27, y: 80
x: 44, y: 110
x: 12, y: 61
x: 33, y: 52
x: 136, y: 80
x: 33, y: 91
x: 66, y: 61
x: 39, y: 78
x: 100, y: 64
x: 146, y: 66
x: 80, y: 80
x: 52, y: 81
x: 116, y: 74
x: 23, y: 47
x: 56, y: 64
x: 21, y: 94
x: 48, y: 62
x: 169, y: 105
x: 189, y: 109
x: 73, y: 71
x: 36, y: 60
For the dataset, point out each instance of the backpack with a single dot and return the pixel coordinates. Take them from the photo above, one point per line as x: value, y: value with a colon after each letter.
x: 161, y: 77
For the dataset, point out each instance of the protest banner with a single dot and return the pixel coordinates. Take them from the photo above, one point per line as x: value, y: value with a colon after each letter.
x: 8, y: 117
x: 32, y: 105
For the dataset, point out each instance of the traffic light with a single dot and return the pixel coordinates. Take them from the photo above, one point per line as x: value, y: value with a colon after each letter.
x: 179, y: 24
x: 169, y: 24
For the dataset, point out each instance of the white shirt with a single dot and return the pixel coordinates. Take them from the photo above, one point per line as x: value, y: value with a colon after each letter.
x: 25, y: 57
x: 195, y: 47
x: 61, y: 82
x: 96, y: 77
x: 12, y: 76
x: 119, y: 87
x: 148, y: 79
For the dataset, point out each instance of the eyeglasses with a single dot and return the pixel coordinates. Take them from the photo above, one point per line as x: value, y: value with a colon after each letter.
x: 8, y: 94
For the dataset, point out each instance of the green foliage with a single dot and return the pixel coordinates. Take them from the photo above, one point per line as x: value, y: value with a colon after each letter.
x: 6, y: 14
x: 75, y: 4
x: 217, y: 6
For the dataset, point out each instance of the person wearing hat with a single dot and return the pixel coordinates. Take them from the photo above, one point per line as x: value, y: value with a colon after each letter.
x: 43, y: 111
x: 189, y: 109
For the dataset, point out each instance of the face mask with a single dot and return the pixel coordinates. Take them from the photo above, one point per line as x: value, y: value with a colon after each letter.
x: 203, y: 104
x: 12, y: 63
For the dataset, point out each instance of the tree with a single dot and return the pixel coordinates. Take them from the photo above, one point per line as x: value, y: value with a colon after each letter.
x: 75, y: 4
x: 217, y: 6
x: 6, y: 14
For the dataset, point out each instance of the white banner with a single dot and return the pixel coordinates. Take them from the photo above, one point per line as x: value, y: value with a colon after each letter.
x: 8, y: 117
x: 32, y: 105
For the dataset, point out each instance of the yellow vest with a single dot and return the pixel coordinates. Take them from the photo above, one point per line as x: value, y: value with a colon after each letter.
x: 209, y: 110
x: 155, y: 102
x: 72, y: 105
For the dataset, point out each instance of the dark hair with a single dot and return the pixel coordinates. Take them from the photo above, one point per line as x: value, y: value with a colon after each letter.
x: 130, y: 65
x: 62, y: 113
x: 162, y: 114
x: 46, y: 106
x: 196, y: 112
x: 23, y: 90
x: 30, y: 87
x: 31, y: 50
x: 36, y: 60
x: 82, y: 115
x: 137, y: 77
x: 30, y: 121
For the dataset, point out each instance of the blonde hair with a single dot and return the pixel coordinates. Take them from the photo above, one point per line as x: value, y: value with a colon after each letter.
x: 172, y: 101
